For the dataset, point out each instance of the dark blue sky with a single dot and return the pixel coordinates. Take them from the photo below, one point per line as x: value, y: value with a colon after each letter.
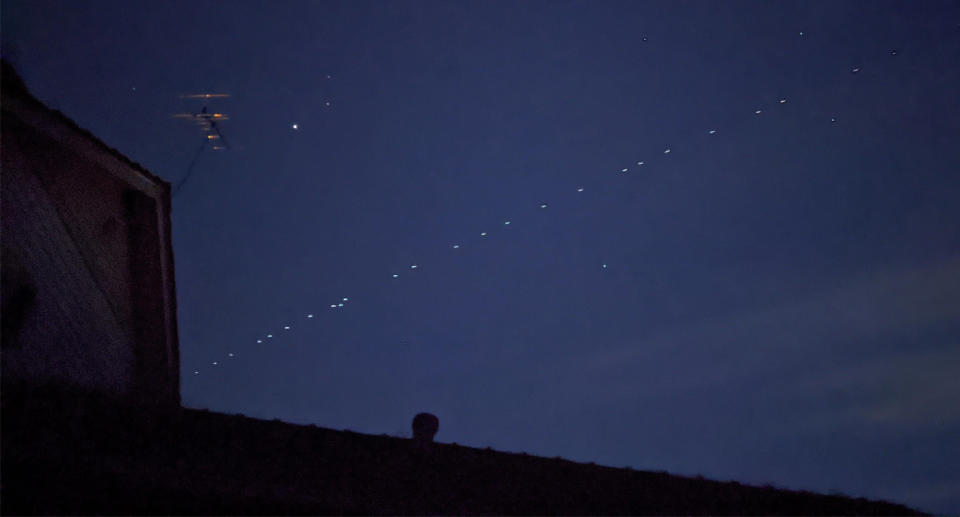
x: 781, y: 299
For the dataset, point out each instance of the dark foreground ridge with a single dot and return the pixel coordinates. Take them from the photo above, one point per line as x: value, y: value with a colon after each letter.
x: 69, y: 453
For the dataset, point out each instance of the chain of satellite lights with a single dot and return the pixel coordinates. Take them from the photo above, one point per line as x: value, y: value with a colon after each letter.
x: 341, y: 303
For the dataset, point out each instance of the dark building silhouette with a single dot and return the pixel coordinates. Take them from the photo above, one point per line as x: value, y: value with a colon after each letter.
x: 91, y: 421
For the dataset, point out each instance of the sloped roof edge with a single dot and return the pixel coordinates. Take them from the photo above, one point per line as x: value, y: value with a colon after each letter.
x: 14, y: 87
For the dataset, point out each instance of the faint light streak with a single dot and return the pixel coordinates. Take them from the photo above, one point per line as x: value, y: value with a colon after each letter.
x: 269, y: 335
x: 413, y: 266
x: 395, y: 275
x: 666, y: 151
x: 456, y: 246
x: 623, y: 170
x: 506, y: 223
x: 580, y: 189
x: 346, y: 299
x: 640, y: 163
x: 309, y: 315
x: 286, y: 327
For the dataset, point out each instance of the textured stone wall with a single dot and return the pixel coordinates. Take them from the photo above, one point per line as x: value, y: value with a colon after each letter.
x: 87, y: 271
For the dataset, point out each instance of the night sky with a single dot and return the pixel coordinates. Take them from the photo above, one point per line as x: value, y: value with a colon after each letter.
x: 772, y: 296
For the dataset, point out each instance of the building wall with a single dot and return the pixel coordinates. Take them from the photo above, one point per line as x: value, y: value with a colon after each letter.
x: 87, y: 270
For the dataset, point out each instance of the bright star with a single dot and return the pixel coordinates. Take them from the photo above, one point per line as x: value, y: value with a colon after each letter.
x: 295, y: 126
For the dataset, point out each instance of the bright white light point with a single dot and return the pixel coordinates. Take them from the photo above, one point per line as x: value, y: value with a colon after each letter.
x: 783, y: 101
x: 833, y: 120
x: 333, y: 306
x: 286, y: 327
x: 580, y: 189
x: 604, y: 266
x: 483, y: 234
x: 639, y: 163
x: 339, y: 305
x: 758, y: 112
x: 395, y: 276
x: 195, y: 372
x: 309, y: 315
x: 269, y: 335
x: 667, y: 151
x: 214, y: 363
x: 327, y: 103
x: 623, y: 170
x: 346, y: 299
x: 855, y: 70
x: 456, y: 246
x: 712, y: 131
x: 543, y: 205
x: 506, y: 222
x: 259, y: 341
x: 230, y: 354
x: 295, y: 126
x: 414, y: 266
x: 801, y: 33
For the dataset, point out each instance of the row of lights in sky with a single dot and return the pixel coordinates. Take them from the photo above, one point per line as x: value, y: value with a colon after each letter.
x: 296, y: 126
